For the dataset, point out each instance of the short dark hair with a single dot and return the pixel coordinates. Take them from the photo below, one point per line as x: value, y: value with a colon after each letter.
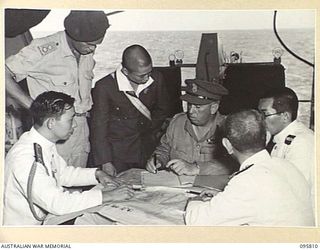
x: 284, y: 100
x: 50, y: 104
x: 246, y: 130
x: 134, y: 53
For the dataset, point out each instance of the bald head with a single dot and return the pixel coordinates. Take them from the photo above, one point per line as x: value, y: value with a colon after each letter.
x: 136, y: 64
x: 135, y: 56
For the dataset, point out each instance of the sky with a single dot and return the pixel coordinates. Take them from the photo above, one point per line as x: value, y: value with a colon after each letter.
x: 154, y: 20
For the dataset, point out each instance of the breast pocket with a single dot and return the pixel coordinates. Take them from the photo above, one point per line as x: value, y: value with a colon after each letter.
x: 182, y: 150
x: 209, y: 152
x: 62, y: 81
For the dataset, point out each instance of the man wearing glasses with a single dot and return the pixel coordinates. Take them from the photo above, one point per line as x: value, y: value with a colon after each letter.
x: 266, y: 191
x: 291, y: 139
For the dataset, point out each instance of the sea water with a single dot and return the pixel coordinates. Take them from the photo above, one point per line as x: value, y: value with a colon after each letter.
x: 254, y: 46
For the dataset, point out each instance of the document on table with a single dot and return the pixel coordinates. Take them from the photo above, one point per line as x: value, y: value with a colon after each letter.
x: 165, y: 178
x: 217, y: 182
x: 158, y: 203
x: 56, y: 220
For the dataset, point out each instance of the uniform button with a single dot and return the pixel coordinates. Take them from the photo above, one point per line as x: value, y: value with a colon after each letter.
x: 125, y: 118
x: 198, y: 146
x: 57, y: 44
x: 64, y: 83
x: 117, y: 108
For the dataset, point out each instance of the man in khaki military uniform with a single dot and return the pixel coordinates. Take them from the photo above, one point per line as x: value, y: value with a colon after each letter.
x: 266, y: 191
x: 62, y: 62
x: 192, y: 143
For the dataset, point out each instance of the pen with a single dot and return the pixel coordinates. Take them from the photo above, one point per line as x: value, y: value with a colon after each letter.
x: 194, y: 192
x: 199, y: 192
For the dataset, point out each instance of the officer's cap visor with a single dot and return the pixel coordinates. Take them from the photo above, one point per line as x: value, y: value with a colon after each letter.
x: 196, y: 100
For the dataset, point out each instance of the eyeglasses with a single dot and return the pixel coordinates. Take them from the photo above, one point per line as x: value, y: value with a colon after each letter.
x: 267, y: 115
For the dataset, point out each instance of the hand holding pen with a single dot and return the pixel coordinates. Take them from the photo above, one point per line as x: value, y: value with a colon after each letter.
x: 153, y: 164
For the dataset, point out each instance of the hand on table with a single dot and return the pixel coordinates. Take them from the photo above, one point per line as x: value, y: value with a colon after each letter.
x: 181, y: 167
x: 121, y: 193
x: 109, y: 169
x: 207, y: 194
x: 105, y: 179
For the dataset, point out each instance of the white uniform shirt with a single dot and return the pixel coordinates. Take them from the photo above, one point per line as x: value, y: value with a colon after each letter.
x: 49, y: 64
x: 300, y: 152
x: 47, y: 191
x: 272, y: 192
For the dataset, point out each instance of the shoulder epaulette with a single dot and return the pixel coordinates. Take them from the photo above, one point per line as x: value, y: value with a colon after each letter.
x: 47, y: 48
x: 178, y: 115
x: 239, y: 172
x: 289, y: 139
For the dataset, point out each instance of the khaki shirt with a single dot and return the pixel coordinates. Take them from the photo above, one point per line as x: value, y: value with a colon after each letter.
x: 48, y: 64
x: 180, y: 142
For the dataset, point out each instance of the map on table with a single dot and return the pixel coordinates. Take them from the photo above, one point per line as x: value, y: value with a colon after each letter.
x: 165, y: 178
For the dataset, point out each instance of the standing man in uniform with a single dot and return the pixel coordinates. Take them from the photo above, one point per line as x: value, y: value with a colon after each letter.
x: 291, y: 140
x: 192, y: 143
x: 129, y: 107
x: 62, y: 62
x: 264, y: 192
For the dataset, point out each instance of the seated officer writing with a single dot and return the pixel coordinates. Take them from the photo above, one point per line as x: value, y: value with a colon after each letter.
x: 192, y: 143
x: 35, y: 173
x: 263, y: 192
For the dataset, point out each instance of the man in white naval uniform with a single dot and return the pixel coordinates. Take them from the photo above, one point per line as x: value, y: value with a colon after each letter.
x: 34, y: 182
x: 264, y: 192
x: 291, y: 139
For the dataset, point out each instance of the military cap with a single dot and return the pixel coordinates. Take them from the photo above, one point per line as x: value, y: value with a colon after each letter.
x: 86, y: 26
x: 202, y: 92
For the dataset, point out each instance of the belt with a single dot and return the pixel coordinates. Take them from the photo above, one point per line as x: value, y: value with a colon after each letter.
x: 81, y: 114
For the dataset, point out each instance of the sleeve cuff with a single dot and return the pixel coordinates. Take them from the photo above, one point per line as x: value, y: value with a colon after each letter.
x: 10, y: 65
x: 191, y: 215
x: 96, y: 195
x: 90, y: 176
